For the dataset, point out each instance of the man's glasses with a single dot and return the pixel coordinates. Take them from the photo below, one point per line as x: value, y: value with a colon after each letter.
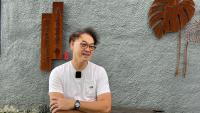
x: 85, y: 45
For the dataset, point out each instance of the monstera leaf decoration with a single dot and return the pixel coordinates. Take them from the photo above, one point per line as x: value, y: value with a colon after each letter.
x: 170, y: 15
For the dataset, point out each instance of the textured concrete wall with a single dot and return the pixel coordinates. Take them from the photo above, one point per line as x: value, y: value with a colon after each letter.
x: 140, y: 67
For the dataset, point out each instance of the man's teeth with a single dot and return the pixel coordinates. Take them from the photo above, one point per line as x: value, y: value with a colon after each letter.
x: 86, y: 54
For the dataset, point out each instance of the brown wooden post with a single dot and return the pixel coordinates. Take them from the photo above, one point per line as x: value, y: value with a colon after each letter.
x: 58, y: 8
x: 48, y: 31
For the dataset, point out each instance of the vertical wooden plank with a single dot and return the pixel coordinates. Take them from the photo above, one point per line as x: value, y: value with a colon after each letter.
x: 52, y: 36
x: 45, y: 61
x: 51, y: 39
x: 58, y: 8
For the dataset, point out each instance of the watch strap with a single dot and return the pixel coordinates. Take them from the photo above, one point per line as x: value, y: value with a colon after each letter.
x: 77, y: 105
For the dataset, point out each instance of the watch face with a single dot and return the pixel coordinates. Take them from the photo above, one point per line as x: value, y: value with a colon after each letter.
x: 77, y: 104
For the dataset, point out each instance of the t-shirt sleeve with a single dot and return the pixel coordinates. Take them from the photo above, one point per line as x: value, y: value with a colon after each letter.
x: 55, y: 83
x: 102, y: 82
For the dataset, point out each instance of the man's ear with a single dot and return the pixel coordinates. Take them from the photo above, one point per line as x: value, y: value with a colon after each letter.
x: 72, y: 45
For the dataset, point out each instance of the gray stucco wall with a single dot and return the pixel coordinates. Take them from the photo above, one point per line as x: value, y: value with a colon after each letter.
x: 140, y: 67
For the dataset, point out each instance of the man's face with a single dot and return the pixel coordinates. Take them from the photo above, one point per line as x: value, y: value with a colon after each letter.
x: 83, y: 47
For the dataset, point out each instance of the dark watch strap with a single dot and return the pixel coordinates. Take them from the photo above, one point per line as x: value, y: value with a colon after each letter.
x: 77, y: 105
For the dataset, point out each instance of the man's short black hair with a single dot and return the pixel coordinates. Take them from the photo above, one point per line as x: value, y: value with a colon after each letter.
x: 88, y: 30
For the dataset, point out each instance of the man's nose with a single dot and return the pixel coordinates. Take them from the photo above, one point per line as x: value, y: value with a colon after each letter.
x: 87, y: 48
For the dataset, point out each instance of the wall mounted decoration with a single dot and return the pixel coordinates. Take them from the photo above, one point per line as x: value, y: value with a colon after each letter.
x: 193, y: 36
x: 48, y: 33
x: 170, y: 16
x: 58, y: 12
x: 51, y: 36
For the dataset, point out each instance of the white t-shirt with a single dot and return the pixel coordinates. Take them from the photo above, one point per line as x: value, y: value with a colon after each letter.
x: 93, y: 81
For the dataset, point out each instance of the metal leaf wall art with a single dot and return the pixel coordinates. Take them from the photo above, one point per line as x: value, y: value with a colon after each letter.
x: 170, y: 16
x: 192, y: 36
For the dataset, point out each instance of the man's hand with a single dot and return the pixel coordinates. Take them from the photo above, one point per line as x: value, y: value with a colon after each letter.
x: 58, y: 104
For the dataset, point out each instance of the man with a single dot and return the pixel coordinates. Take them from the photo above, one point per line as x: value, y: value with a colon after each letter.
x: 80, y: 86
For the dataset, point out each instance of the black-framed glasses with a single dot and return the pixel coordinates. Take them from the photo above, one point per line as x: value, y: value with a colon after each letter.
x: 85, y: 45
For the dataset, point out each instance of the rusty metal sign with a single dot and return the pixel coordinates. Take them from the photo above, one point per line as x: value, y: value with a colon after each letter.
x: 58, y: 8
x: 51, y: 36
x: 48, y: 31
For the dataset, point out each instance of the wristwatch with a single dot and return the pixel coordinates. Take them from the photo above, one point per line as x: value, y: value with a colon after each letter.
x: 77, y: 105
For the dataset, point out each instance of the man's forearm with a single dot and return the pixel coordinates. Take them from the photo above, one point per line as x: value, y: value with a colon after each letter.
x: 102, y: 105
x: 75, y: 111
x: 95, y: 107
x: 71, y: 111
